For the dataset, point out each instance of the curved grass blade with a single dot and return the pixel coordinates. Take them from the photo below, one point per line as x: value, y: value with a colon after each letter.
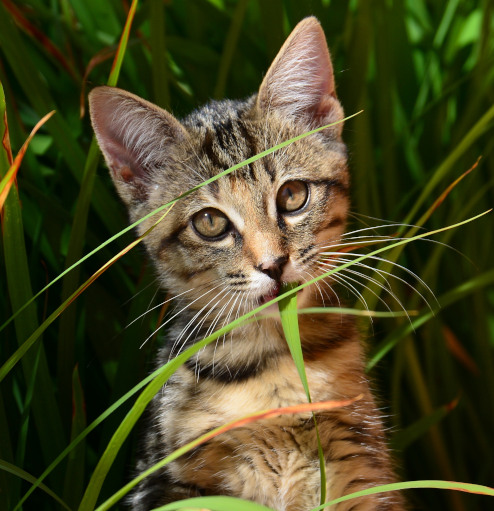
x: 4, y: 370
x: 220, y: 503
x: 9, y: 179
x: 153, y: 386
x: 289, y: 321
x: 441, y: 485
x: 17, y: 355
x: 248, y: 419
x: 8, y: 467
x: 168, y: 204
x: 447, y: 299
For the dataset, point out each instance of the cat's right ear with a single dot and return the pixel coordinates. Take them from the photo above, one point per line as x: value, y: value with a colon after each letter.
x: 300, y: 82
x: 135, y: 136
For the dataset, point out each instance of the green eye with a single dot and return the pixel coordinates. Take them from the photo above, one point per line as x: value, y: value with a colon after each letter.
x: 210, y: 223
x: 292, y: 196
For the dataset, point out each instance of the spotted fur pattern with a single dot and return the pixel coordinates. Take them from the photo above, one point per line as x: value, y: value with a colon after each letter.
x: 154, y: 158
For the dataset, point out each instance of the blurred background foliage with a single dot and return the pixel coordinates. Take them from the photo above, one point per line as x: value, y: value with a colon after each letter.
x: 422, y: 71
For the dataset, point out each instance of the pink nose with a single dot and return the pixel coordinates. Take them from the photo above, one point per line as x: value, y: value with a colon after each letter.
x: 274, y: 267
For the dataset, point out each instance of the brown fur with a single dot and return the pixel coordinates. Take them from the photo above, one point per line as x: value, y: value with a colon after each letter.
x: 153, y: 158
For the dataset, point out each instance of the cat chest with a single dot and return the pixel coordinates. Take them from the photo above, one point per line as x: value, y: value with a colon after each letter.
x: 193, y: 408
x: 274, y: 464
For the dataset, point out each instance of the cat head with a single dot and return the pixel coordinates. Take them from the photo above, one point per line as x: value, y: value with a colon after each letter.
x: 237, y: 239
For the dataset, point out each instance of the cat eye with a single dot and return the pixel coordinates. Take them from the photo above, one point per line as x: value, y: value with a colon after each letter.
x: 210, y: 223
x: 292, y: 196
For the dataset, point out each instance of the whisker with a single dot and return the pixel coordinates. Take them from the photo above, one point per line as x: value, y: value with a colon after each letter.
x: 176, y: 314
x: 388, y: 289
x: 159, y: 305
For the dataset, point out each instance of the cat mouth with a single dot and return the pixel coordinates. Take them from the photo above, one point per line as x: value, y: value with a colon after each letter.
x: 271, y: 295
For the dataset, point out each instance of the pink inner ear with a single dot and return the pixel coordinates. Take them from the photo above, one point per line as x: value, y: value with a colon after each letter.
x: 121, y: 160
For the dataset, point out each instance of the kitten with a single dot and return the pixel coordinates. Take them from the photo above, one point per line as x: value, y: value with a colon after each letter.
x: 224, y: 250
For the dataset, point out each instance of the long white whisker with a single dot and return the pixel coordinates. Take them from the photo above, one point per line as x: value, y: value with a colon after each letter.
x: 388, y: 288
x: 176, y: 314
x: 160, y: 305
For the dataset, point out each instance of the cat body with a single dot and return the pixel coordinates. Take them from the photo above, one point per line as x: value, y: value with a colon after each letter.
x: 224, y: 250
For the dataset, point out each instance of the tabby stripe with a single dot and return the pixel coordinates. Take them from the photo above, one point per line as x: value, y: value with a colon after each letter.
x: 209, y: 152
x: 171, y: 238
x: 227, y: 374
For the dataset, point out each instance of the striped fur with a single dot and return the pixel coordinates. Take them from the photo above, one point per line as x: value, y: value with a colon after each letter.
x: 153, y: 158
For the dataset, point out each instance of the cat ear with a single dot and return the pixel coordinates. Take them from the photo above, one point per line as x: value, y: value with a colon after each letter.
x: 300, y: 81
x: 135, y: 136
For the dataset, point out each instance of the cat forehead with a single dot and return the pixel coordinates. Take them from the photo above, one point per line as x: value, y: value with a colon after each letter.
x: 228, y: 132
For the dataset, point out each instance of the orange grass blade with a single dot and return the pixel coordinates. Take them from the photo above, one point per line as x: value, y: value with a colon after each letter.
x: 275, y: 412
x: 6, y: 138
x: 9, y: 178
x: 101, y: 56
x: 445, y: 193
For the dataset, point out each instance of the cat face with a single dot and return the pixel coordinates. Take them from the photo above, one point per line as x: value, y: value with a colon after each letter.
x: 236, y: 240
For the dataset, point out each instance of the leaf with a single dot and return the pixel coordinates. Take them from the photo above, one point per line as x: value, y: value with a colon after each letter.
x: 401, y: 440
x: 4, y: 465
x: 221, y: 503
x: 441, y: 485
x: 9, y: 179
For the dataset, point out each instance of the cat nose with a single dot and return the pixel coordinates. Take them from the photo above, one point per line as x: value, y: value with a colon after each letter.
x: 274, y: 267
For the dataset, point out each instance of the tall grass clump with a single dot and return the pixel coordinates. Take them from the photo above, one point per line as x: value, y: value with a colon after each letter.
x: 73, y: 378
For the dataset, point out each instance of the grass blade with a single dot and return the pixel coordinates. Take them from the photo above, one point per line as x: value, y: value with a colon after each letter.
x: 8, y: 467
x: 441, y: 485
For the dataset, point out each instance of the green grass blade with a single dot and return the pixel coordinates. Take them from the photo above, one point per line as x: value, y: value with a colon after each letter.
x: 74, y: 475
x: 229, y: 48
x: 289, y: 321
x: 22, y: 474
x: 46, y: 414
x: 465, y: 289
x: 157, y: 41
x: 441, y: 485
x: 214, y: 504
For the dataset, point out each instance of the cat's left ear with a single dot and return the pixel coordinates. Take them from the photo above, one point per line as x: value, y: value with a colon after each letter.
x: 300, y: 82
x: 136, y: 137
